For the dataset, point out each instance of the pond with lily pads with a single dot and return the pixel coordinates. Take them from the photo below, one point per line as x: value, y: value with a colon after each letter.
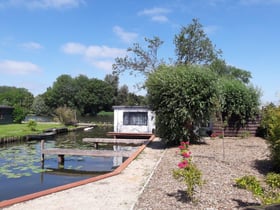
x: 21, y: 170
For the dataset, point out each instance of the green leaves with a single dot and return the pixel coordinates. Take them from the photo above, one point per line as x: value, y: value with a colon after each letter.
x: 181, y: 94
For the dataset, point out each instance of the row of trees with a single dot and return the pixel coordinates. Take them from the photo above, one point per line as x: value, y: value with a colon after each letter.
x: 87, y: 96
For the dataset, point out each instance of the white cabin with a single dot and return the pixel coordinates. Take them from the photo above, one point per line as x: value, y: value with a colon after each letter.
x: 133, y: 119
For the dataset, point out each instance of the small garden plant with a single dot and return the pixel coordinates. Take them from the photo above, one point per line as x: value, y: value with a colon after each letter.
x: 269, y: 194
x: 187, y: 171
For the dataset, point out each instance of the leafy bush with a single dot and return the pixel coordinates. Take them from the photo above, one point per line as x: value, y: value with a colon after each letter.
x: 273, y: 180
x: 239, y: 103
x: 65, y: 115
x: 181, y: 96
x: 19, y: 113
x: 250, y: 183
x: 270, y: 125
x: 32, y: 124
x: 270, y: 195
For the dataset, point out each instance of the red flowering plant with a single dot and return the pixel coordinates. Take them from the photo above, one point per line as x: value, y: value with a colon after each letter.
x: 187, y: 171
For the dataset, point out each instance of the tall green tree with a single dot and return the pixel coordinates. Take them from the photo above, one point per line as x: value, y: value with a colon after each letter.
x: 16, y: 96
x: 62, y: 93
x: 39, y: 106
x: 222, y: 69
x: 87, y: 96
x: 113, y: 80
x: 19, y: 98
x: 193, y: 46
x: 122, y: 95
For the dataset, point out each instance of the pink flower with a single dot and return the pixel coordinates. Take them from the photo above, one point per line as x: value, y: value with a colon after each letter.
x: 181, y: 147
x: 183, y: 164
x: 186, y: 154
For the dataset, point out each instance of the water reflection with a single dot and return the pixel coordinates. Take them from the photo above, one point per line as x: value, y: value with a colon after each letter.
x: 21, y: 170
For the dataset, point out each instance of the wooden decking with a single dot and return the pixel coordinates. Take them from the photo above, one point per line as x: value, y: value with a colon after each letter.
x: 128, y: 139
x: 130, y: 135
x: 116, y: 141
x: 78, y: 152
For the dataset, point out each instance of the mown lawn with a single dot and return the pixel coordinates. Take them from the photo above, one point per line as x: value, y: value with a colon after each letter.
x: 10, y: 130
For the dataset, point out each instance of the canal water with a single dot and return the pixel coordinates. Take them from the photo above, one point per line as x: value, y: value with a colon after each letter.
x: 21, y: 171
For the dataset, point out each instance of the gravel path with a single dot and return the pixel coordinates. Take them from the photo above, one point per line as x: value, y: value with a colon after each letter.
x: 221, y: 162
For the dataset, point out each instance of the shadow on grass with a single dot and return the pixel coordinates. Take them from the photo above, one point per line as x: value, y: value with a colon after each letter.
x: 181, y: 196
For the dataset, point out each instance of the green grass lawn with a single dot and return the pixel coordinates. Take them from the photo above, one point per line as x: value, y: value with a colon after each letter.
x: 10, y: 130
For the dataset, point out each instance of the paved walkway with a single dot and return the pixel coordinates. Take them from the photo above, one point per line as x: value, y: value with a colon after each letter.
x: 119, y: 192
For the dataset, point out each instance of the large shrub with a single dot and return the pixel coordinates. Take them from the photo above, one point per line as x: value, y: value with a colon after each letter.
x: 270, y: 125
x: 65, y: 115
x: 181, y: 96
x: 239, y: 102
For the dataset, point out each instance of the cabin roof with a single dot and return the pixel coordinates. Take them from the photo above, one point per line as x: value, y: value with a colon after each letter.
x: 5, y: 107
x: 131, y: 107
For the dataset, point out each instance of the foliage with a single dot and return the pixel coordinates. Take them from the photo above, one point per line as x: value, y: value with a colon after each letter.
x: 273, y: 180
x: 87, y: 96
x: 19, y: 113
x: 13, y: 96
x: 270, y: 195
x: 125, y: 98
x: 181, y: 96
x: 19, y: 98
x: 65, y: 115
x: 113, y: 81
x: 271, y: 130
x: 222, y: 69
x: 141, y: 61
x: 122, y: 95
x: 32, y: 124
x: 239, y: 103
x: 250, y: 183
x: 193, y: 46
x: 187, y: 171
x: 39, y: 106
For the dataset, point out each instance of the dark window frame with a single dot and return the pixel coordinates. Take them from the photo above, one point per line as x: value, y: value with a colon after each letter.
x: 135, y: 118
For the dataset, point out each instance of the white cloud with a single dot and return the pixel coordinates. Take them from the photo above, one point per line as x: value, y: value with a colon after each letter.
x: 32, y: 45
x: 157, y: 14
x: 127, y: 37
x: 18, y: 67
x: 103, y: 52
x: 42, y: 4
x: 73, y: 48
x: 160, y: 18
x: 99, y: 56
x: 103, y: 64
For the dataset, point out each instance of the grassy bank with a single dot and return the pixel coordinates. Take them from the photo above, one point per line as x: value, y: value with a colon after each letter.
x: 10, y: 130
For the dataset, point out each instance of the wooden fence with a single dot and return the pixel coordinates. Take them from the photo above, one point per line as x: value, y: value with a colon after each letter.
x: 250, y: 128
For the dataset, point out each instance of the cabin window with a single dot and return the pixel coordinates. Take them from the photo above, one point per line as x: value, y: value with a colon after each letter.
x: 135, y: 118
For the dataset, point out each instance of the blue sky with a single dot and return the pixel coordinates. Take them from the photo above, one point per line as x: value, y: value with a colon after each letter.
x: 43, y: 39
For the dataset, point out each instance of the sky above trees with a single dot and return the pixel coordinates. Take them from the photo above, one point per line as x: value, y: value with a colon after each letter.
x: 43, y: 39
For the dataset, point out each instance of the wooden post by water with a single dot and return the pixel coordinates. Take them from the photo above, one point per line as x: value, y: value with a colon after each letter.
x: 42, y: 148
